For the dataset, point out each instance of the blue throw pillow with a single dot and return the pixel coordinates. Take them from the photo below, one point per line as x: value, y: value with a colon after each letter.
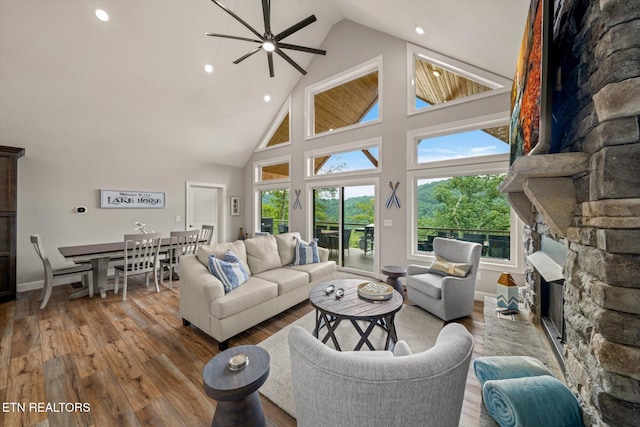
x: 306, y: 253
x: 229, y: 270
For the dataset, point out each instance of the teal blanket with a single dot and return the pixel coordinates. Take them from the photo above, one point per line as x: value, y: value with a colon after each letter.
x: 540, y: 401
x: 504, y: 367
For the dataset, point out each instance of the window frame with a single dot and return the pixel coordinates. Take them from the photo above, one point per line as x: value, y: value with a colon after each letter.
x: 339, y: 149
x: 353, y: 73
x: 273, y: 127
x: 257, y: 201
x: 259, y: 164
x: 469, y: 166
x: 498, y: 83
x: 477, y: 123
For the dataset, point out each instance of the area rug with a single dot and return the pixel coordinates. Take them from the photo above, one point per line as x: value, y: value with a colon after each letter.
x: 415, y: 326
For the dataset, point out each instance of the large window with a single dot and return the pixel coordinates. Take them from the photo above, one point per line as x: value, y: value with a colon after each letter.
x: 345, y: 101
x: 278, y: 134
x: 272, y: 170
x: 435, y: 80
x: 456, y: 172
x: 361, y: 157
x: 274, y: 210
x: 466, y: 208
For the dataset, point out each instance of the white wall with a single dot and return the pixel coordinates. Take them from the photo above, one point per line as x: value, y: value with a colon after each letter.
x: 348, y: 45
x: 53, y: 181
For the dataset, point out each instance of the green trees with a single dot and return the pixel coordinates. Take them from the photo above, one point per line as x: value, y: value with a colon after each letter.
x: 275, y: 204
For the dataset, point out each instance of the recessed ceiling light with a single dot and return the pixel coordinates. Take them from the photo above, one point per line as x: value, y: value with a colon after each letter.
x: 208, y: 68
x: 102, y: 15
x: 267, y: 98
x: 436, y: 73
x: 419, y: 30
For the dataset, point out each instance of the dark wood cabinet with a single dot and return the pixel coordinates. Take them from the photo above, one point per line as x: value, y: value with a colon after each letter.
x: 8, y: 222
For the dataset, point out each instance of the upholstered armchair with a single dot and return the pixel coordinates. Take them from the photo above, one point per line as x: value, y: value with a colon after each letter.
x: 363, y: 388
x: 440, y: 292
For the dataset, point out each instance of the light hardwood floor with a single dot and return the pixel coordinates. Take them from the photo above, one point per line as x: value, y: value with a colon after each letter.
x: 133, y: 362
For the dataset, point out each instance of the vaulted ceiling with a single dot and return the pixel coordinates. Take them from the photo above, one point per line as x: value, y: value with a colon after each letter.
x: 137, y: 82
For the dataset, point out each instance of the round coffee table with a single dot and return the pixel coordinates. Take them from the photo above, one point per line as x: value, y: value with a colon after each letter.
x: 237, y: 391
x: 331, y: 311
x: 393, y: 272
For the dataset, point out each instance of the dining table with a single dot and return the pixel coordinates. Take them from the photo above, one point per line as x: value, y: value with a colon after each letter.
x: 100, y: 255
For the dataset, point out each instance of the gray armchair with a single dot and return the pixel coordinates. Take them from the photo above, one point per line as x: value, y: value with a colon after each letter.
x: 447, y: 297
x: 365, y: 388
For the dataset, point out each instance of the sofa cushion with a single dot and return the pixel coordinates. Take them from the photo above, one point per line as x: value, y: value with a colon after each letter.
x: 229, y: 270
x: 287, y: 246
x: 255, y: 291
x: 262, y: 253
x: 287, y: 279
x: 306, y: 253
x: 444, y: 267
x: 316, y: 271
x: 219, y: 249
x: 428, y: 283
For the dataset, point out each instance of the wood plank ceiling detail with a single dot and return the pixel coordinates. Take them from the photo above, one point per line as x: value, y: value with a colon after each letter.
x: 281, y: 135
x: 445, y: 87
x: 346, y: 104
x: 278, y: 171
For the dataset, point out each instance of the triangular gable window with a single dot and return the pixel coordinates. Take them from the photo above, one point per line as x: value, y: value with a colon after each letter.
x: 436, y: 80
x: 278, y: 133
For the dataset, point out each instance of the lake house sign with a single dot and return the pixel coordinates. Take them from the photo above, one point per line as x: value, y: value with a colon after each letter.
x: 131, y: 199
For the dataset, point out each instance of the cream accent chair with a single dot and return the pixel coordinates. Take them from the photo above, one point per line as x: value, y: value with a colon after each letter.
x: 354, y: 389
x: 447, y: 297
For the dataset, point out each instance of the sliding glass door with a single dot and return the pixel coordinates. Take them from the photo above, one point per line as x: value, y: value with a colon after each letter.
x: 344, y: 223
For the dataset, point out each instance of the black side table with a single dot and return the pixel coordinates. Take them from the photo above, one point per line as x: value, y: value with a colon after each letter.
x: 393, y: 272
x: 237, y: 391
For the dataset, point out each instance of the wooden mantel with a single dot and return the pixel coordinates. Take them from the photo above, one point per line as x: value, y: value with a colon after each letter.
x: 546, y: 182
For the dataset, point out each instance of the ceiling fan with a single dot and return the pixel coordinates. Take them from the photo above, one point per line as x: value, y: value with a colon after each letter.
x: 270, y: 42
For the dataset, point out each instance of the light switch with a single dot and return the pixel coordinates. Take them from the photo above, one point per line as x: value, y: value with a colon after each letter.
x: 177, y: 218
x: 388, y: 222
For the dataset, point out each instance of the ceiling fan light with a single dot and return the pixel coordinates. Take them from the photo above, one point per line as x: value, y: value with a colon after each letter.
x: 269, y: 46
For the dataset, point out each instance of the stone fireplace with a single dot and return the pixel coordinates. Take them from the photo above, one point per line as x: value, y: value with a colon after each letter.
x: 585, y: 196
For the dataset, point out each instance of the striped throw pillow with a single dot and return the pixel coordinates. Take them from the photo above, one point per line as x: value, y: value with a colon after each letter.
x: 445, y: 267
x: 306, y: 253
x: 229, y: 270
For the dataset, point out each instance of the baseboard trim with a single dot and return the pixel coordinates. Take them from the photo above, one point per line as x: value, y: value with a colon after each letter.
x: 479, y: 296
x: 29, y: 286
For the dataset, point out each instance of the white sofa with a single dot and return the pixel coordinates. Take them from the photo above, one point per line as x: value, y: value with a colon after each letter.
x: 274, y: 285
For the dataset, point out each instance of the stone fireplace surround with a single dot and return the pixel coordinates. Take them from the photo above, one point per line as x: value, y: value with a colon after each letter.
x: 586, y: 195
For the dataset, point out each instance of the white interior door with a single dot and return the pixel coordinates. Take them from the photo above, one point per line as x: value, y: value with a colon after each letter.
x: 204, y: 202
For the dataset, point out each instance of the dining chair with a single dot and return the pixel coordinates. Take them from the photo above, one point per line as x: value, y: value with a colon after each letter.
x: 182, y: 243
x: 140, y: 256
x: 206, y: 235
x: 51, y: 274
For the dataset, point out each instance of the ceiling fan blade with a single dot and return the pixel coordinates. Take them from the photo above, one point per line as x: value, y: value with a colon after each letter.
x: 266, y: 15
x: 290, y: 61
x: 223, y: 7
x: 233, y: 37
x: 302, y: 48
x: 296, y: 27
x: 243, y: 57
x: 270, y: 60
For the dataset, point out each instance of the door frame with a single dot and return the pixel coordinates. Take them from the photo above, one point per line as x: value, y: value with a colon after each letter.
x: 221, y: 232
x: 375, y: 181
